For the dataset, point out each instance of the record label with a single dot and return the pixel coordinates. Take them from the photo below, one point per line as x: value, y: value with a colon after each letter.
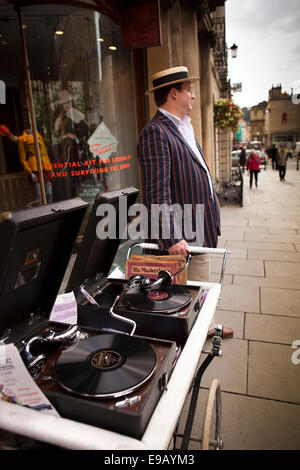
x: 157, y: 295
x: 106, y: 360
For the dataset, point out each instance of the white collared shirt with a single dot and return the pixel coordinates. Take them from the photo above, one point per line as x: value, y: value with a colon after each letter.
x: 187, y: 132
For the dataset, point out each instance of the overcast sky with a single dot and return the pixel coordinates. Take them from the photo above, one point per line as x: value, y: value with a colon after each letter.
x: 267, y: 33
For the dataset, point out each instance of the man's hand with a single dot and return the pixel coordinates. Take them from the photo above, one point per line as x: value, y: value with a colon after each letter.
x: 180, y: 248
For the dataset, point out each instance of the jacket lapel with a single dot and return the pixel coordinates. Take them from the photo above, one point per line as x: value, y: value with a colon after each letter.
x: 170, y: 124
x: 200, y: 150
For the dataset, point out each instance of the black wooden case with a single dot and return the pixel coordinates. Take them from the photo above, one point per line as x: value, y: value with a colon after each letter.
x: 36, y: 247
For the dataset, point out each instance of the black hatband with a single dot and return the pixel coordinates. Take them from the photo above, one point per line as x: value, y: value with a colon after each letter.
x: 170, y: 78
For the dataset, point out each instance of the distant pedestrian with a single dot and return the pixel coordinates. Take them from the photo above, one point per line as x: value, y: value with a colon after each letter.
x: 242, y: 160
x: 268, y: 153
x: 274, y: 155
x: 282, y: 159
x: 253, y: 164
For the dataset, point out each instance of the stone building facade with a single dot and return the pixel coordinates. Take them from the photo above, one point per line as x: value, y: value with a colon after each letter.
x: 282, y: 121
x: 257, y: 123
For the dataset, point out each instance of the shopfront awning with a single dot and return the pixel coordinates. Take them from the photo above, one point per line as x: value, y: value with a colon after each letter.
x: 109, y: 8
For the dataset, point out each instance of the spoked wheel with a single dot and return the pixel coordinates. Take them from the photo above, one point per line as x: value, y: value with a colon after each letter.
x: 211, y: 431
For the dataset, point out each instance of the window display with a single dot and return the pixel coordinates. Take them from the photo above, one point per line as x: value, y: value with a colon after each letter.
x: 84, y: 105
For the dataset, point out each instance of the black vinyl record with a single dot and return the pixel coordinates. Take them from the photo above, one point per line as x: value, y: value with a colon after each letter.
x: 105, y: 366
x: 168, y: 300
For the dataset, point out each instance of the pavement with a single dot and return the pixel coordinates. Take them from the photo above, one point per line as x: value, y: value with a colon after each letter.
x: 260, y: 299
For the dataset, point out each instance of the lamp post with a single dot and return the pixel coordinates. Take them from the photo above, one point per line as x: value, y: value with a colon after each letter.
x: 233, y: 49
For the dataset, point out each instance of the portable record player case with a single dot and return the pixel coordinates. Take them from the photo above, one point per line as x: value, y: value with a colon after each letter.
x: 91, y: 268
x: 36, y: 246
x: 35, y: 251
x: 132, y: 418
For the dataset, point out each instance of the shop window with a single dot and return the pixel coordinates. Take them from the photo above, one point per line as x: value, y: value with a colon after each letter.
x: 84, y: 104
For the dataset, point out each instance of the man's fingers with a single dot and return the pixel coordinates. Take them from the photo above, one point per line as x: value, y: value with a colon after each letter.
x: 180, y: 248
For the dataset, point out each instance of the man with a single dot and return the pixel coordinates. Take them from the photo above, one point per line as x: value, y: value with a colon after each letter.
x: 282, y: 160
x: 242, y: 160
x: 274, y: 154
x: 174, y: 171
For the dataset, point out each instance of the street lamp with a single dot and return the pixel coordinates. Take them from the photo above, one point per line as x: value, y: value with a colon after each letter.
x: 233, y: 49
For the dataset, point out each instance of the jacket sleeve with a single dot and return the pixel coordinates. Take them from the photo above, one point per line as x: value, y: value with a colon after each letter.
x: 22, y: 155
x: 155, y: 163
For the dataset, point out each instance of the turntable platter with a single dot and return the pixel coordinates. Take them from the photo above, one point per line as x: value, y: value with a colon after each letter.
x: 105, y: 366
x: 169, y: 300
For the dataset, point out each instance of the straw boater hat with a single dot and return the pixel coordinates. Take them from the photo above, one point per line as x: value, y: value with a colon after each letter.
x: 170, y: 77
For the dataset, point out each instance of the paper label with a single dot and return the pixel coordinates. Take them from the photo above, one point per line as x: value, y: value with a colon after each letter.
x: 16, y: 384
x: 65, y: 309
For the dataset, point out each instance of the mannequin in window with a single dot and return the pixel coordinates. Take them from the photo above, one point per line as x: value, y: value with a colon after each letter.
x: 5, y: 132
x: 29, y: 162
x: 73, y: 131
x: 69, y: 122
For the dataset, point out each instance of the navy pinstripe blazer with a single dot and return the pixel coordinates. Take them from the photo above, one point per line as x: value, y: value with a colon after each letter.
x: 171, y: 173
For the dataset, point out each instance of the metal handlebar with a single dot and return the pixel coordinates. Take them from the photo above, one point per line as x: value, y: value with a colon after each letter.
x: 191, y: 249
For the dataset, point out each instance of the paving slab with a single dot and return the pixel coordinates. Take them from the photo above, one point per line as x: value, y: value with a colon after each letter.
x: 280, y: 302
x: 232, y: 235
x: 240, y: 298
x: 215, y: 277
x: 234, y: 320
x: 264, y: 282
x: 239, y: 266
x: 271, y: 238
x: 278, y: 221
x: 274, y: 255
x: 260, y: 245
x: 271, y: 328
x: 282, y: 269
x: 288, y: 231
x: 257, y: 424
x: 256, y: 230
x: 233, y: 221
x: 241, y: 253
x: 271, y: 372
x: 249, y: 423
x: 235, y: 358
